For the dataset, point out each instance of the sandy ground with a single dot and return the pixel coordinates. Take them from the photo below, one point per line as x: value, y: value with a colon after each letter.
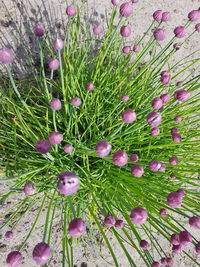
x: 25, y: 14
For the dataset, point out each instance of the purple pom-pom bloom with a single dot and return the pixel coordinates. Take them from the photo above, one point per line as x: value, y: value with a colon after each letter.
x: 162, y: 168
x: 154, y: 119
x: 174, y: 131
x: 157, y: 103
x: 194, y: 15
x: 163, y: 212
x: 177, y: 46
x: 136, y: 48
x: 97, y: 29
x: 154, y: 165
x: 41, y: 253
x: 38, y: 31
x: 182, y: 95
x: 181, y: 192
x: 43, y: 146
x: 195, y: 222
x: 137, y: 170
x: 174, y: 200
x: 173, y: 176
x: 185, y: 238
x: 90, y: 86
x: 77, y: 228
x: 159, y: 34
x: 178, y: 119
x: 115, y: 2
x: 173, y: 160
x: 55, y: 104
x: 6, y: 56
x: 55, y: 138
x: 9, y: 235
x: 174, y: 239
x: 164, y: 261
x: 197, y: 248
x: 58, y: 44
x: 119, y: 224
x: 180, y: 31
x: 155, y: 264
x: 128, y: 116
x: 125, y: 98
x: 157, y: 15
x: 177, y: 249
x: 169, y: 262
x: 75, y: 101
x: 14, y: 258
x: 53, y: 64
x: 71, y: 11
x: 120, y: 158
x: 29, y: 189
x: 166, y: 16
x: 134, y: 157
x: 144, y: 244
x: 109, y: 221
x: 68, y: 184
x: 126, y: 49
x: 103, y: 148
x: 138, y: 215
x: 68, y: 148
x: 165, y: 98
x: 125, y: 31
x: 165, y: 77
x: 197, y: 27
x: 126, y: 9
x: 176, y: 138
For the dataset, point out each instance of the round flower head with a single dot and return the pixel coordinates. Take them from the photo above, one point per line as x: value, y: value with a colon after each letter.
x: 177, y: 249
x: 174, y: 239
x: 41, y: 253
x: 181, y: 192
x: 182, y: 95
x: 14, y: 258
x: 177, y: 46
x: 103, y: 148
x: 43, y: 146
x: 159, y: 34
x: 115, y: 2
x: 55, y: 104
x: 55, y: 138
x: 169, y: 262
x: 75, y: 101
x: 126, y: 49
x: 9, y: 235
x: 53, y: 64
x: 125, y: 31
x: 157, y: 103
x: 173, y: 160
x: 197, y: 248
x: 185, y: 238
x: 90, y: 86
x: 155, y: 264
x: 138, y: 216
x: 6, y: 56
x: 126, y: 9
x: 197, y: 27
x: 165, y: 78
x: 154, y: 165
x: 164, y: 261
x: 162, y: 168
x: 38, y: 31
x: 109, y: 221
x: 154, y: 119
x: 163, y: 212
x: 178, y: 119
x: 128, y: 116
x: 134, y: 157
x: 176, y: 138
x: 77, y: 228
x: 144, y: 244
x: 58, y: 44
x: 29, y: 189
x: 194, y: 15
x: 173, y: 176
x: 165, y: 98
x: 136, y: 48
x: 119, y: 224
x: 68, y: 184
x: 195, y: 222
x: 165, y: 17
x: 157, y: 15
x: 164, y: 72
x: 97, y: 29
x: 120, y: 158
x: 137, y: 170
x: 71, y: 11
x: 174, y: 200
x: 174, y: 131
x: 68, y: 148
x: 180, y: 31
x: 125, y: 98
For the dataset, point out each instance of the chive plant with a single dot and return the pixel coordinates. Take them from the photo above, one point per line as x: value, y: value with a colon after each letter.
x: 73, y: 139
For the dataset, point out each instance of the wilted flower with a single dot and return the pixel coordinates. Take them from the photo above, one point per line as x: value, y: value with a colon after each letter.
x: 177, y: 249
x: 195, y: 222
x: 41, y: 253
x: 154, y: 165
x: 163, y: 212
x: 58, y: 44
x: 68, y: 184
x: 174, y: 200
x: 9, y: 235
x: 119, y: 224
x: 75, y: 101
x: 29, y: 189
x: 68, y: 148
x: 197, y: 248
x: 38, y: 31
x: 182, y: 95
x: 103, y: 148
x: 197, y: 27
x: 126, y: 9
x: 136, y: 48
x: 125, y: 31
x: 157, y: 103
x: 194, y: 15
x: 90, y: 86
x: 137, y: 170
x: 165, y: 98
x: 125, y: 98
x: 55, y: 138
x: 6, y: 56
x: 126, y: 49
x: 14, y: 258
x: 97, y: 29
x: 185, y: 238
x: 173, y: 160
x: 154, y: 119
x: 71, y: 11
x: 43, y: 146
x: 55, y: 104
x: 77, y: 227
x: 134, y: 157
x: 159, y: 34
x: 138, y: 216
x: 128, y: 116
x: 155, y: 131
x: 157, y: 15
x: 178, y: 119
x: 165, y: 16
x: 53, y: 64
x: 180, y: 31
x: 109, y: 221
x: 120, y: 158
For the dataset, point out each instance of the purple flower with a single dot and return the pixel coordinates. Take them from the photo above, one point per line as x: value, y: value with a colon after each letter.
x: 119, y: 224
x: 173, y: 160
x: 71, y: 11
x: 157, y: 15
x: 174, y: 239
x: 166, y: 16
x: 103, y: 148
x: 126, y: 9
x: 75, y: 101
x: 165, y: 77
x: 29, y: 189
x: 195, y: 222
x: 157, y: 103
x: 194, y: 15
x: 41, y: 253
x: 162, y: 168
x: 197, y: 248
x: 68, y: 148
x: 165, y: 98
x: 90, y: 86
x: 135, y: 1
x: 169, y: 262
x: 181, y: 192
x: 182, y: 95
x: 155, y: 264
x: 126, y: 49
x: 176, y: 138
x: 154, y: 119
x: 120, y: 158
x: 55, y: 138
x: 97, y: 29
x: 134, y: 157
x: 9, y: 235
x: 163, y: 212
x: 136, y: 48
x: 197, y: 27
x: 68, y: 184
x: 38, y: 31
x: 174, y: 200
x: 154, y: 165
x: 58, y: 44
x: 173, y: 176
x: 14, y: 258
x: 159, y: 34
x: 77, y: 228
x: 144, y: 244
x: 6, y: 56
x: 174, y: 131
x: 177, y: 249
x: 138, y: 216
x: 128, y: 116
x: 125, y: 31
x: 177, y: 46
x: 55, y: 104
x: 109, y: 221
x: 125, y: 98
x: 179, y: 83
x: 115, y: 2
x: 164, y: 261
x: 53, y: 64
x: 180, y: 31
x: 178, y: 119
x: 137, y: 170
x: 185, y: 238
x: 43, y: 146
